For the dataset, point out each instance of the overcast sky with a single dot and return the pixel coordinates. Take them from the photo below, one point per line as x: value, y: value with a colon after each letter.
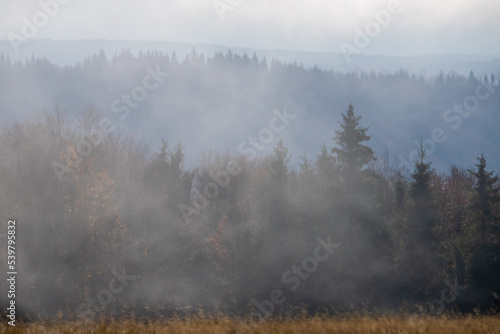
x: 421, y: 27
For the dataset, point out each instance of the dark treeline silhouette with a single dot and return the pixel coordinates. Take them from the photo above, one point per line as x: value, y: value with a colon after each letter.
x: 234, y: 94
x: 345, y: 231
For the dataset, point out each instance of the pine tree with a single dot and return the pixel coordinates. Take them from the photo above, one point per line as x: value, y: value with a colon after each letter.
x: 486, y: 193
x: 421, y: 259
x: 325, y: 165
x: 486, y: 264
x: 420, y: 192
x: 326, y: 184
x: 279, y: 164
x: 352, y: 156
x: 400, y: 189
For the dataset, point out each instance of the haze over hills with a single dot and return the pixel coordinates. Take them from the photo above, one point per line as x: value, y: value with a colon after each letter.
x: 249, y: 158
x: 215, y: 98
x: 71, y: 52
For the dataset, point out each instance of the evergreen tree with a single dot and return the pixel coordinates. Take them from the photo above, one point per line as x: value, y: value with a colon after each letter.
x: 278, y: 166
x: 305, y: 165
x: 422, y: 261
x: 400, y: 189
x: 325, y: 165
x: 351, y: 154
x: 486, y: 194
x: 486, y: 263
x: 351, y: 157
x: 421, y: 194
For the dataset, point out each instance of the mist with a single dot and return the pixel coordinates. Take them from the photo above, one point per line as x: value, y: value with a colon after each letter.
x: 153, y: 186
x: 223, y: 99
x: 248, y: 160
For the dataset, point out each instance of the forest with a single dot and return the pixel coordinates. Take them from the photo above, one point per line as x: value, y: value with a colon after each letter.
x: 309, y: 214
x: 214, y: 102
x: 250, y: 167
x: 122, y: 229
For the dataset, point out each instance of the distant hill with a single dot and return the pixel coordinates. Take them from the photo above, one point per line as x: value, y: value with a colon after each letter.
x: 72, y: 52
x: 217, y: 98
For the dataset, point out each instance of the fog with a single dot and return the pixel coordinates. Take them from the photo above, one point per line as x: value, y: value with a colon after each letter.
x: 223, y: 99
x: 150, y: 186
x: 423, y: 27
x: 248, y: 158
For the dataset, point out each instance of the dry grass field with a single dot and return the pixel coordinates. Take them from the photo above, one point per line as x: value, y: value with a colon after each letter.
x: 407, y: 324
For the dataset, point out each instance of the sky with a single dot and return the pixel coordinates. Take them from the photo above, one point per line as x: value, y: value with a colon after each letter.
x: 411, y: 28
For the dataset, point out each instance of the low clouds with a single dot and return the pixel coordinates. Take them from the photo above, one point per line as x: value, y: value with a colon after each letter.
x: 292, y: 24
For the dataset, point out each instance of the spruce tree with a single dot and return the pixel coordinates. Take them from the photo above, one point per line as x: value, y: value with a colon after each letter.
x: 352, y: 156
x: 421, y: 262
x: 485, y: 268
x: 421, y: 194
x: 278, y: 171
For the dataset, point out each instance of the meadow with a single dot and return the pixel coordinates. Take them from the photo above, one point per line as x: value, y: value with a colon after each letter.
x: 408, y: 324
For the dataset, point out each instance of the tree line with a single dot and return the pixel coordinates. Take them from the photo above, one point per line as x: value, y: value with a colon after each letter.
x: 212, y: 91
x: 403, y: 237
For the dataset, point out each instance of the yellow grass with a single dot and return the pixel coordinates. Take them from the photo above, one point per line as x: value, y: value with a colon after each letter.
x: 408, y: 324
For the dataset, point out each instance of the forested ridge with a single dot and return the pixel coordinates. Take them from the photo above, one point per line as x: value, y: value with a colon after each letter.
x: 346, y: 231
x: 220, y: 100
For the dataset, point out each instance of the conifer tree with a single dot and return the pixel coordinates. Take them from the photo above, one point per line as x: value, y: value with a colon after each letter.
x: 485, y: 265
x: 278, y: 170
x: 421, y: 194
x: 422, y: 261
x: 352, y: 156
